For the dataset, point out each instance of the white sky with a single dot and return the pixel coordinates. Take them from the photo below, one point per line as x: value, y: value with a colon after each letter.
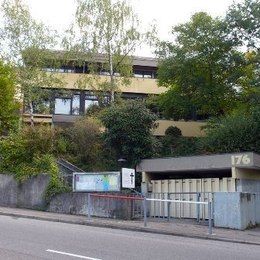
x: 59, y: 13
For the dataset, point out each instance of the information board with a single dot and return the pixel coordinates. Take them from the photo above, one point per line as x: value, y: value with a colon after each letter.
x: 96, y: 181
x: 128, y: 178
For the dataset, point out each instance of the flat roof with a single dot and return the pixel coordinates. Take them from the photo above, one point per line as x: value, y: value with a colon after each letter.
x: 99, y: 57
x: 200, y: 163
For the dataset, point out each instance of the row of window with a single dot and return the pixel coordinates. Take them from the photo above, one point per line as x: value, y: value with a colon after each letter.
x: 136, y: 73
x: 74, y: 104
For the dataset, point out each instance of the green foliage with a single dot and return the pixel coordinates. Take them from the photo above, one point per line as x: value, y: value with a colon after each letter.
x: 110, y: 28
x: 234, y: 133
x: 202, y: 69
x: 30, y: 152
x: 9, y: 107
x: 26, y: 42
x: 128, y: 130
x: 187, y: 146
x: 173, y: 132
x: 174, y: 144
x: 85, y: 146
x: 244, y: 22
x: 174, y: 104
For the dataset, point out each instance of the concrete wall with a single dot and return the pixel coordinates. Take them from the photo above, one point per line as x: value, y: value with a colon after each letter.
x: 188, y: 129
x: 252, y: 186
x: 245, y: 185
x: 235, y: 210
x: 137, y: 85
x: 29, y: 194
x: 77, y: 204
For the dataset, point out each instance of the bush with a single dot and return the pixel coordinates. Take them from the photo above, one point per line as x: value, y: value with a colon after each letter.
x: 85, y: 146
x: 128, y: 130
x: 235, y: 133
x: 31, y: 152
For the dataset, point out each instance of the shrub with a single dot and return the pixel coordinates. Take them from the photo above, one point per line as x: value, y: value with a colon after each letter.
x: 234, y: 133
x: 31, y: 152
x: 128, y: 130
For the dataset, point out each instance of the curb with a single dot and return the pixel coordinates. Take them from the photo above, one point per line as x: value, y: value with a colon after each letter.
x: 128, y: 228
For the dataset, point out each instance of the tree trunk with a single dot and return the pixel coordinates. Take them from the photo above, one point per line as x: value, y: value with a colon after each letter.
x: 111, y: 72
x: 31, y: 115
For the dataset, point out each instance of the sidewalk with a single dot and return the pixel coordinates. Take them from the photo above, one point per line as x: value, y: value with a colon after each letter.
x: 186, y: 228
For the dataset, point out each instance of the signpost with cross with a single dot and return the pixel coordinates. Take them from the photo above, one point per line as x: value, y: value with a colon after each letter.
x: 128, y: 178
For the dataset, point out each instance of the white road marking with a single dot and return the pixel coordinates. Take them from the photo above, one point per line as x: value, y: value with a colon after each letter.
x: 73, y: 255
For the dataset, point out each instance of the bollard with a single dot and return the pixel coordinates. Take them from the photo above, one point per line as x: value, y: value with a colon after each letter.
x: 198, y: 207
x: 210, y: 217
x: 89, y: 206
x: 145, y: 211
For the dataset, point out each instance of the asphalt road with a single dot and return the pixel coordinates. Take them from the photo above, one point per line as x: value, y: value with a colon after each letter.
x: 34, y: 239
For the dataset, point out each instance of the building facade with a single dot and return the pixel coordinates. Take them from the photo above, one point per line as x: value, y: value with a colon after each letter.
x: 67, y: 104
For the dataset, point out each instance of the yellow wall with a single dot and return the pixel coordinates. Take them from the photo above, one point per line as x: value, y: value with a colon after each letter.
x: 137, y: 85
x: 37, y: 118
x: 188, y: 129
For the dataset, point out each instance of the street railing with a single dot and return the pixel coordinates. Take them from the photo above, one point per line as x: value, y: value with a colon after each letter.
x: 186, y: 211
x: 169, y: 201
x: 142, y: 207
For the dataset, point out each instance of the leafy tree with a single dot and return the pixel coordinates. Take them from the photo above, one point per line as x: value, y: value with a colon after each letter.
x: 243, y: 21
x: 25, y: 43
x: 105, y: 34
x: 201, y: 68
x: 128, y: 130
x: 9, y: 107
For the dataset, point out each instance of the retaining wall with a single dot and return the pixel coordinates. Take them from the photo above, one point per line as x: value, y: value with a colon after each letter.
x: 29, y: 194
x: 77, y: 203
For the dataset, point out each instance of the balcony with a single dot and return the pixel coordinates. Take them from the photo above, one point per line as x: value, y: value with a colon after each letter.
x: 137, y: 85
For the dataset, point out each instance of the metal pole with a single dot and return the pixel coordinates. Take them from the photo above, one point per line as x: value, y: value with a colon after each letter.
x: 210, y: 217
x: 198, y: 207
x: 168, y: 208
x: 145, y: 211
x: 89, y: 206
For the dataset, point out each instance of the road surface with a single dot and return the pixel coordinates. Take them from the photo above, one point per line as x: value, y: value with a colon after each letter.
x: 34, y: 239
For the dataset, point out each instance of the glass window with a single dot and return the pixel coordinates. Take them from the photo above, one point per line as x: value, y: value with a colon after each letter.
x: 89, y: 102
x: 62, y: 106
x: 138, y: 75
x: 75, y: 104
x: 147, y: 75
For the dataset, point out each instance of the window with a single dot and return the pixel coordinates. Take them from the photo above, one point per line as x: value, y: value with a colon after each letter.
x: 144, y: 74
x: 75, y: 104
x: 39, y: 107
x: 62, y: 106
x: 90, y: 100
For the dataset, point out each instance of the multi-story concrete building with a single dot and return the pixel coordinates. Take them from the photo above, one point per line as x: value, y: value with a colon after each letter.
x: 69, y: 103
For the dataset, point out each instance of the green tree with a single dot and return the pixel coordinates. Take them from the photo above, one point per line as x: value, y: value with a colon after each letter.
x: 201, y: 68
x: 9, y: 107
x: 25, y: 43
x: 243, y: 21
x: 128, y: 128
x: 105, y: 34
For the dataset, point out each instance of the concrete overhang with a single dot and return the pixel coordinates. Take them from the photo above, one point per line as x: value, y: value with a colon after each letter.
x: 219, y: 162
